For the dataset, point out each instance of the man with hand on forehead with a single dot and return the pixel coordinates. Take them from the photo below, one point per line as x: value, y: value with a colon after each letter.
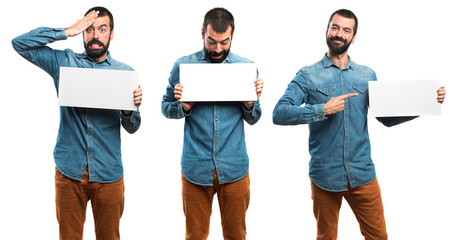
x: 214, y: 158
x: 88, y: 149
x: 335, y: 93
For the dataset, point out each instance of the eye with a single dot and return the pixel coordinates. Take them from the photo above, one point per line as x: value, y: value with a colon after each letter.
x: 89, y: 30
x: 225, y: 42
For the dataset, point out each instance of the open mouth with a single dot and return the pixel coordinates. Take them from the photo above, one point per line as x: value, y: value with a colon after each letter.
x: 96, y: 46
x: 217, y: 55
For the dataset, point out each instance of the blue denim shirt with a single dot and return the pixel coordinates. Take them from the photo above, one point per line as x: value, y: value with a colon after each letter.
x: 338, y: 144
x: 87, y: 137
x: 214, y: 134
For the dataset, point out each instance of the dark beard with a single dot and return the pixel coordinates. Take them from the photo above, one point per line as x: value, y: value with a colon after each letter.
x: 96, y: 53
x: 335, y: 48
x: 209, y: 55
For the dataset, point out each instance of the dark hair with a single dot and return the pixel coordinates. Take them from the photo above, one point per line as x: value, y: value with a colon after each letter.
x: 220, y: 19
x: 346, y: 14
x: 102, y: 13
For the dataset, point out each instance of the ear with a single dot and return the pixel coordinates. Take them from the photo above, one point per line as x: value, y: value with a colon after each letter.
x: 203, y: 34
x: 353, y: 39
x: 111, y: 35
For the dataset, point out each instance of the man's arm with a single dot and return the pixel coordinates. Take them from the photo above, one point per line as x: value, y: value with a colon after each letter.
x: 32, y: 45
x: 252, y: 109
x: 288, y: 110
x: 131, y: 120
x: 171, y: 107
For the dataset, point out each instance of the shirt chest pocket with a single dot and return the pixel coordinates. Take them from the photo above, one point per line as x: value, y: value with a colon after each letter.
x: 324, y: 93
x: 362, y: 99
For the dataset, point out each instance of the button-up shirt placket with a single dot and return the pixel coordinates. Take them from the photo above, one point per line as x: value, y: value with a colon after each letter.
x: 216, y: 137
x: 89, y: 139
x: 346, y: 117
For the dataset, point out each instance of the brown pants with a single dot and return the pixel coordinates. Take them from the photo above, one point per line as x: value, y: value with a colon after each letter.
x: 233, y: 201
x: 366, y: 203
x: 107, y: 201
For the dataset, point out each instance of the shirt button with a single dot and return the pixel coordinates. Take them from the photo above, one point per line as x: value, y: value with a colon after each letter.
x: 89, y: 134
x: 89, y: 153
x: 216, y: 138
x: 216, y: 120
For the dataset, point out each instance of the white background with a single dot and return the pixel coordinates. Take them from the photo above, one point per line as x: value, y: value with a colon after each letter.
x: 400, y: 40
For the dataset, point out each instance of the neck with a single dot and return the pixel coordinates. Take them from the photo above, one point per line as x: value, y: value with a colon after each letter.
x: 341, y: 60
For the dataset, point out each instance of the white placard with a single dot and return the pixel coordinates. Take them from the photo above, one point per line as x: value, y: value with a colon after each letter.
x: 403, y: 98
x: 97, y: 88
x: 218, y: 82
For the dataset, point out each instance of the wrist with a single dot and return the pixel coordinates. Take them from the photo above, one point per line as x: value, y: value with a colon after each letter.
x: 248, y: 106
x: 326, y: 110
x: 126, y: 113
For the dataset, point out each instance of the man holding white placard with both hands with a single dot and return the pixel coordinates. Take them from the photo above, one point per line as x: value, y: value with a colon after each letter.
x: 88, y: 149
x: 214, y: 157
x: 334, y: 92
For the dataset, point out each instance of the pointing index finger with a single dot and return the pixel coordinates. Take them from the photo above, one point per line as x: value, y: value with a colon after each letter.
x: 348, y: 95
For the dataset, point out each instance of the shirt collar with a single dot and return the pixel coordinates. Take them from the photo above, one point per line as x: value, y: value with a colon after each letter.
x: 229, y: 58
x: 328, y: 63
x: 108, y: 59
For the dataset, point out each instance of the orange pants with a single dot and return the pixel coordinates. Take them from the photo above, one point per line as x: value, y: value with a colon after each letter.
x: 233, y: 201
x: 366, y: 203
x: 107, y: 201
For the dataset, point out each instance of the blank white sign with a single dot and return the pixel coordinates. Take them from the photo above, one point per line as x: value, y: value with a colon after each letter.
x: 97, y: 88
x: 403, y: 98
x: 218, y: 82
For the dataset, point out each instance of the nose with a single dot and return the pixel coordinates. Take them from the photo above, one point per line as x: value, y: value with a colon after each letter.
x: 339, y: 33
x: 96, y: 34
x: 219, y: 48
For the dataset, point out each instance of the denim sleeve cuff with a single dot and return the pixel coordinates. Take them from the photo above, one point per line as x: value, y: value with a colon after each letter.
x: 124, y: 116
x: 185, y: 113
x: 319, y: 112
x: 60, y: 33
x: 248, y: 111
x: 180, y: 111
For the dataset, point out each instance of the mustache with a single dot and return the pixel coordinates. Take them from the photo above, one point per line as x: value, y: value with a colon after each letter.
x: 95, y: 41
x: 215, y: 54
x: 338, y: 39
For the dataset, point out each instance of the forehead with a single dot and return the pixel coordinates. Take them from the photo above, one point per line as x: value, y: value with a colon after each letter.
x: 101, y: 21
x: 342, y: 22
x: 218, y: 36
